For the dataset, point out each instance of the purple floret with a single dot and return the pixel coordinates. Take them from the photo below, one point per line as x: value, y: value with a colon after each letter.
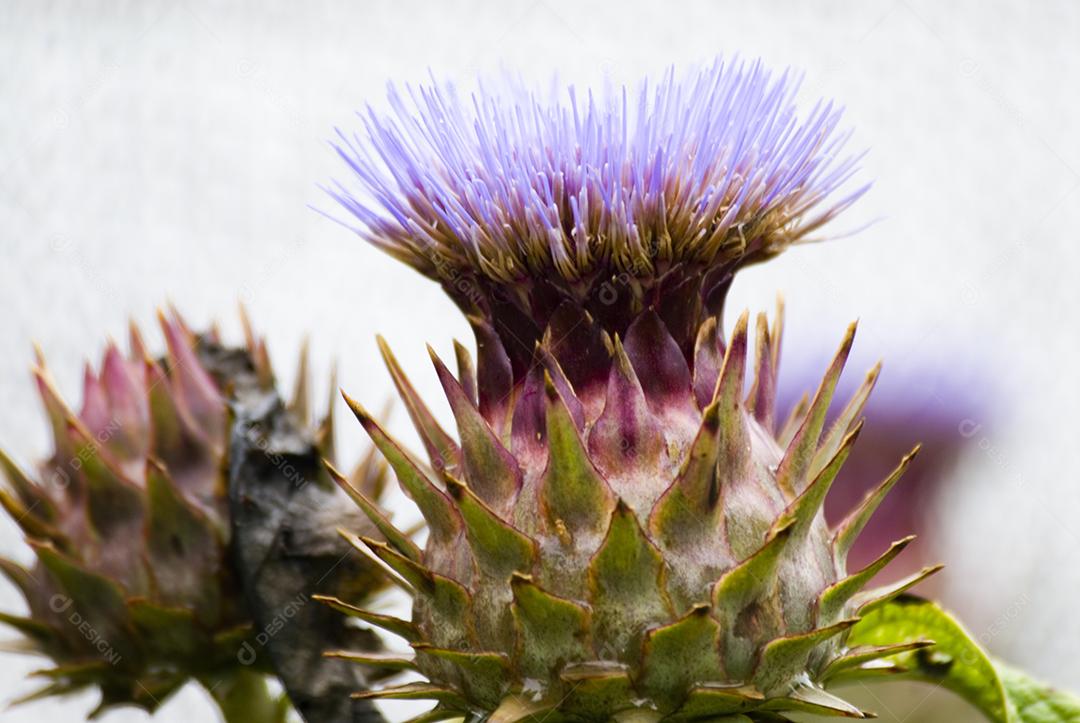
x: 711, y: 167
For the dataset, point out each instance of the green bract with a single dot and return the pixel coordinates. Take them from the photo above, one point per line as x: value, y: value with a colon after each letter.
x: 658, y: 555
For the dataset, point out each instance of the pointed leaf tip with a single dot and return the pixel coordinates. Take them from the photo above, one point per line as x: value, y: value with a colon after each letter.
x: 812, y: 699
x: 572, y: 489
x: 434, y: 505
x: 660, y: 366
x: 836, y: 597
x: 762, y: 398
x: 854, y: 659
x: 440, y: 446
x: 753, y: 577
x: 382, y: 661
x: 402, y: 628
x: 490, y: 468
x: 777, y: 332
x: 708, y: 358
x: 494, y: 375
x: 870, y: 600
x: 692, y: 499
x: 796, y: 466
x: 499, y: 547
x: 627, y: 436
x: 729, y: 386
x: 300, y: 404
x: 852, y: 526
x: 466, y: 371
x: 806, y: 507
x: 784, y: 658
x: 846, y: 420
x: 393, y: 535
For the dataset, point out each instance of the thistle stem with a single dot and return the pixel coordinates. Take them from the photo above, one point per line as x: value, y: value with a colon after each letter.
x: 245, y: 696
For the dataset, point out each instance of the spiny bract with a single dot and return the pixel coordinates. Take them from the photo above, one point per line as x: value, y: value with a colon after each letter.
x: 622, y: 533
x: 134, y: 590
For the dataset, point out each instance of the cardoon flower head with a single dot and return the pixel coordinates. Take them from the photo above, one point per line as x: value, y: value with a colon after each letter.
x: 514, y: 200
x: 619, y: 531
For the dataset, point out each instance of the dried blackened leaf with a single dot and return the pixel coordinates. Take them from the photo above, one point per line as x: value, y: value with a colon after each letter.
x: 285, y: 515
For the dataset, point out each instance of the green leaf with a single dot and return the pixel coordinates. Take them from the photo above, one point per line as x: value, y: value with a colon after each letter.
x: 1034, y: 702
x: 957, y: 663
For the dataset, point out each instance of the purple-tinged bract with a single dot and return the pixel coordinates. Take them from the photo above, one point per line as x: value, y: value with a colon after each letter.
x: 135, y: 590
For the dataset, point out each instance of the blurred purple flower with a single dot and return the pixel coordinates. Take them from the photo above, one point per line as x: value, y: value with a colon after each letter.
x: 917, y: 405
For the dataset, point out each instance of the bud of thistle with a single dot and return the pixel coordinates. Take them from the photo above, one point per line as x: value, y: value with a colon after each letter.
x: 136, y: 590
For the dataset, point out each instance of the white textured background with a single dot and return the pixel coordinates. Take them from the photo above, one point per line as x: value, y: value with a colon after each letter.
x: 168, y: 150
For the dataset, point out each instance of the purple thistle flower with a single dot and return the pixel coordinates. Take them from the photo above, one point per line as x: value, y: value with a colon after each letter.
x: 614, y: 202
x: 710, y: 168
